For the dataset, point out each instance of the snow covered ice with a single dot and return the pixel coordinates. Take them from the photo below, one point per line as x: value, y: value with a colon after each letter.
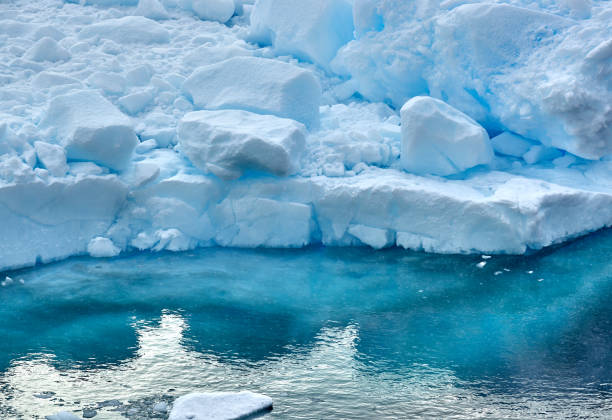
x: 438, y: 139
x: 228, y: 142
x: 174, y: 124
x: 219, y: 406
x: 257, y: 84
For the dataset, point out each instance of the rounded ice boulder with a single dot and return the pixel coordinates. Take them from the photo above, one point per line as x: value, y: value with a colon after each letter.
x: 89, y: 127
x: 258, y: 85
x: 228, y: 142
x: 219, y: 406
x: 441, y: 140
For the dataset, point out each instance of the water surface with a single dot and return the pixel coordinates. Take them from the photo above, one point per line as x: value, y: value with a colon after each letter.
x: 327, y: 333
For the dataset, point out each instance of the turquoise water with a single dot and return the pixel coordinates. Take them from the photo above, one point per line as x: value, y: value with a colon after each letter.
x: 328, y: 333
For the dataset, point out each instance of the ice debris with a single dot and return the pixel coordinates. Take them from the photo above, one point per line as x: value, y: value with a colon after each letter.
x: 259, y: 85
x: 440, y: 140
x: 226, y: 143
x: 152, y: 125
x: 89, y: 127
x: 219, y: 406
x: 62, y: 415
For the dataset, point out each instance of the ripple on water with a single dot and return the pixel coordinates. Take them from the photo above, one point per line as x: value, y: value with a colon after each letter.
x: 328, y: 333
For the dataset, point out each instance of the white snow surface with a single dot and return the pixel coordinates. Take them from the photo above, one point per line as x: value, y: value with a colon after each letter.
x: 219, y: 406
x: 173, y: 124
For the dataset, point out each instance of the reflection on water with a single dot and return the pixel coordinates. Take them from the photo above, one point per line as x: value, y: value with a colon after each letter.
x: 328, y: 333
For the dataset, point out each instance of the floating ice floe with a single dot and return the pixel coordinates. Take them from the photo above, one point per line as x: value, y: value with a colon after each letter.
x: 219, y: 406
x: 63, y: 415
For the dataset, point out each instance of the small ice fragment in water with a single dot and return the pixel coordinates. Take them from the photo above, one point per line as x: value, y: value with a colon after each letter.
x: 161, y: 407
x: 481, y: 264
x: 506, y: 269
x: 540, y: 279
x: 530, y: 272
x: 62, y: 415
x: 497, y: 273
x: 109, y: 403
x: 220, y: 405
x: 7, y: 281
x: 486, y: 257
x: 89, y: 413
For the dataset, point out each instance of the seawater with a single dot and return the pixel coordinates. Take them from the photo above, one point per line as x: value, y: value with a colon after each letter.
x: 327, y: 333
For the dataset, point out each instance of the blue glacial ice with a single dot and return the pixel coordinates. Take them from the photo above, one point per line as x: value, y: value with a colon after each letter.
x: 175, y: 124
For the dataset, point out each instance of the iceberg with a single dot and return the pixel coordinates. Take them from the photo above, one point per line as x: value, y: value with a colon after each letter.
x: 169, y: 125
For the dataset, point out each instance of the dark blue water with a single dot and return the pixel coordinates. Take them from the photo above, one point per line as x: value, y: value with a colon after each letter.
x: 328, y: 333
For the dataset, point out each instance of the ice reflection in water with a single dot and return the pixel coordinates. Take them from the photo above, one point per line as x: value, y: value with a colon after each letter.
x: 326, y: 333
x: 327, y: 371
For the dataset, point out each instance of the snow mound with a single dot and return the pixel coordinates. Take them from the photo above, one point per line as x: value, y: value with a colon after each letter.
x: 219, y: 406
x: 151, y: 9
x: 313, y: 33
x: 91, y: 128
x: 47, y: 49
x: 100, y: 247
x: 438, y: 139
x: 228, y: 142
x: 126, y: 30
x: 219, y: 10
x: 258, y: 85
